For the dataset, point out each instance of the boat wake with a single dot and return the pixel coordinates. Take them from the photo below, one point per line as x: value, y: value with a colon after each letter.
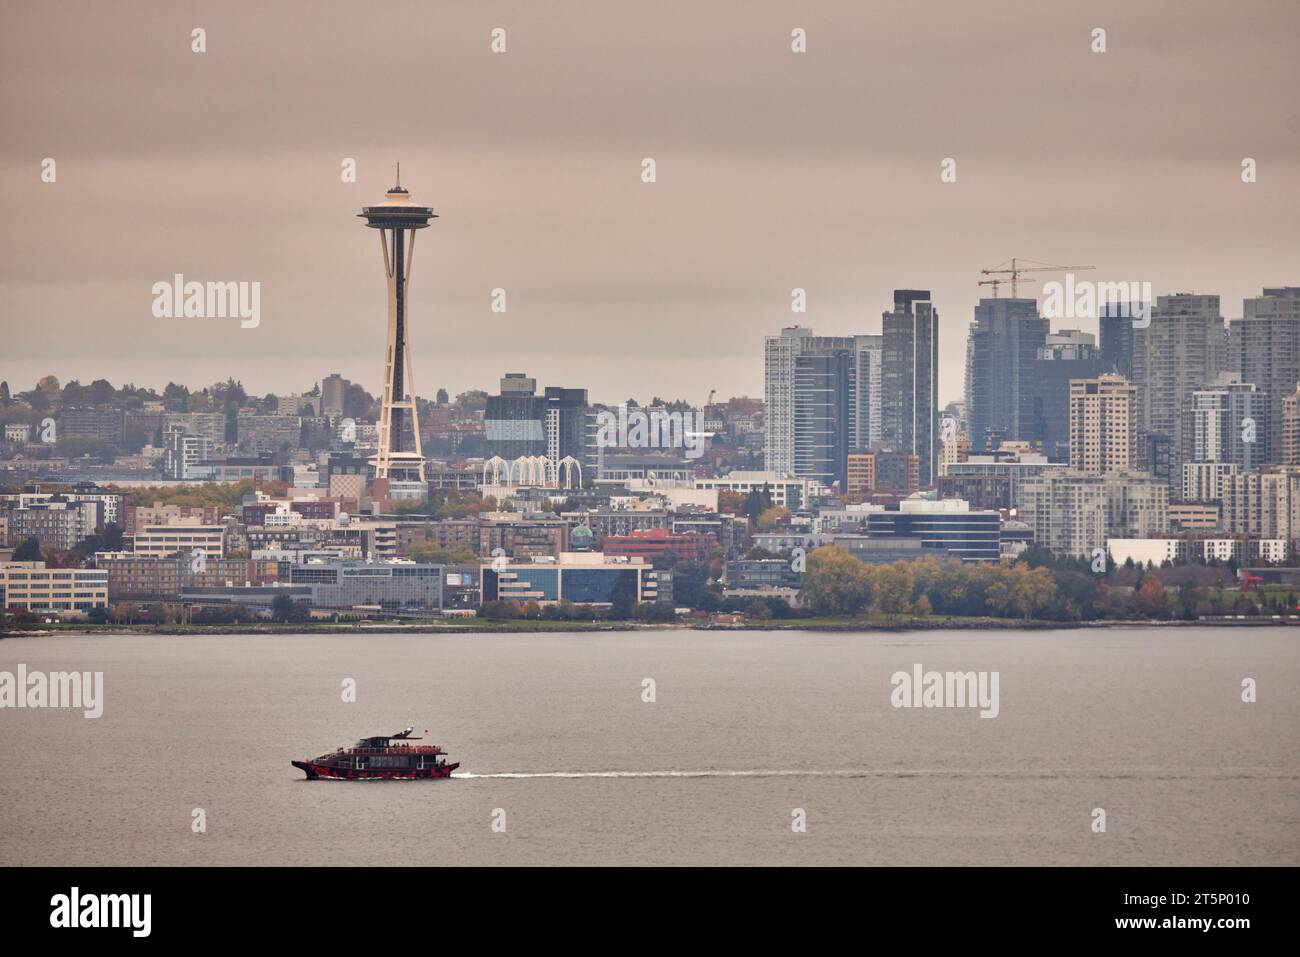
x: 1146, y: 774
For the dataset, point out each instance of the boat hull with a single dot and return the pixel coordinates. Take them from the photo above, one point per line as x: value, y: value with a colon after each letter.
x: 324, y: 772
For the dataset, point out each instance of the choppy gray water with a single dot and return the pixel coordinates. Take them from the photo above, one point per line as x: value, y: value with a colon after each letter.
x: 746, y: 727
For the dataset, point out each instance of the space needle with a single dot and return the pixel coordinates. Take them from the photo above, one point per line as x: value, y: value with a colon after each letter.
x: 399, y: 459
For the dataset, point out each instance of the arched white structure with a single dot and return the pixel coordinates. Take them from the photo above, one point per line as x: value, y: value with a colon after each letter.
x: 499, y: 467
x: 531, y: 470
x: 564, y: 473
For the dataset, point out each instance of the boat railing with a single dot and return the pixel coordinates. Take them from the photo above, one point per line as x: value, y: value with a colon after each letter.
x: 399, y: 749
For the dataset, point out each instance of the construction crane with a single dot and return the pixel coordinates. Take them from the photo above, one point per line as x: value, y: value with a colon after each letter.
x: 1015, y: 271
x: 997, y: 282
x: 703, y: 413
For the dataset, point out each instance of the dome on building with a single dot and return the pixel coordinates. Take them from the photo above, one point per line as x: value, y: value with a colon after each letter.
x: 580, y: 538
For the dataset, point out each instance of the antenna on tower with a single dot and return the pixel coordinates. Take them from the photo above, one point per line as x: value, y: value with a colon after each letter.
x: 399, y: 172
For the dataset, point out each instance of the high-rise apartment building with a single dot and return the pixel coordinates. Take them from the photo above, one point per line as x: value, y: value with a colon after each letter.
x: 823, y: 414
x: 1073, y: 514
x: 1264, y: 347
x: 1102, y: 419
x: 1224, y: 422
x: 1181, y: 350
x: 1264, y: 503
x: 868, y: 354
x: 909, y: 379
x: 1205, y: 481
x: 1290, y: 430
x: 862, y: 426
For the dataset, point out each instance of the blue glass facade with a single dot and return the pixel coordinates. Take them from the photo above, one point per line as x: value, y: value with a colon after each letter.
x: 598, y: 584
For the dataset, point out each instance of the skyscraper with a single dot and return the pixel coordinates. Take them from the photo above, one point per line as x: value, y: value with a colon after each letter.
x: 1003, y: 343
x: 399, y: 457
x: 867, y: 356
x: 1264, y: 346
x: 823, y: 403
x: 1102, y: 416
x: 1115, y: 326
x: 909, y: 396
x: 1182, y: 350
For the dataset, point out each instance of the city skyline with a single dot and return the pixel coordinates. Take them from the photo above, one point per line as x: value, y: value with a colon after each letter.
x: 661, y: 287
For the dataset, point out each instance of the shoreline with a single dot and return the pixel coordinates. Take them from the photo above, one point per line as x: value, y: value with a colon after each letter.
x: 865, y: 625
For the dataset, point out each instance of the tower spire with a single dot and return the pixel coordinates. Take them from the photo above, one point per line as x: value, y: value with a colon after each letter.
x: 399, y: 174
x: 399, y: 458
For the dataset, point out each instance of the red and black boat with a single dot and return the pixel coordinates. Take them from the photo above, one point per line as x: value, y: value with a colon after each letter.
x: 386, y: 757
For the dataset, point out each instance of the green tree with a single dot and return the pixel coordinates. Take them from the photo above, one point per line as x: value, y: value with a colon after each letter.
x: 282, y: 608
x: 28, y: 550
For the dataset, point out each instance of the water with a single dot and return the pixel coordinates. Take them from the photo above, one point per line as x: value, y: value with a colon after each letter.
x: 1145, y: 723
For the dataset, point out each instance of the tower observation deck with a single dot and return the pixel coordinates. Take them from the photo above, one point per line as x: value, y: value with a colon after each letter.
x: 399, y: 457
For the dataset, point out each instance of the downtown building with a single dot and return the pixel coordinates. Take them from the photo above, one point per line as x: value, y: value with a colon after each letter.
x: 829, y: 396
x: 1002, y: 350
x: 1264, y: 348
x: 520, y: 423
x: 1263, y: 503
x: 1102, y: 437
x: 55, y: 523
x: 1222, y: 433
x: 946, y: 527
x: 1073, y: 514
x: 110, y: 503
x: 1115, y: 329
x: 584, y: 578
x: 1182, y: 350
x: 1047, y: 415
x: 909, y: 388
x: 822, y: 400
x: 995, y: 480
x: 1290, y: 430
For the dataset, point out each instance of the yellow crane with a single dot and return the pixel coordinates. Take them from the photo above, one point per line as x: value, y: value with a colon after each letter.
x: 1016, y: 270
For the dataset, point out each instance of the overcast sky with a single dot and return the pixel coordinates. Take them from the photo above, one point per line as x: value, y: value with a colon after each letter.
x: 774, y: 170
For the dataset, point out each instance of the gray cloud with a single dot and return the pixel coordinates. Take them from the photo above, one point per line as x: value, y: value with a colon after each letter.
x: 775, y: 170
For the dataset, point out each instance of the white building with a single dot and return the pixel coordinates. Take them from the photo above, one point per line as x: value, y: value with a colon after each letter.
x: 786, y: 491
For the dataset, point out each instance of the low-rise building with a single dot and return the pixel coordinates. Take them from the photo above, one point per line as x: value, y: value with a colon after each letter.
x: 584, y: 578
x: 947, y: 526
x: 658, y: 543
x: 163, y: 540
x: 786, y: 491
x: 30, y: 586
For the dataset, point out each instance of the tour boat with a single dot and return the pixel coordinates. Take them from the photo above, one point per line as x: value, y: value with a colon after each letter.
x: 383, y: 758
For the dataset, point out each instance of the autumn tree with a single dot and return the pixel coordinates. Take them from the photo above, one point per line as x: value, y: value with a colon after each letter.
x: 834, y: 583
x: 892, y: 585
